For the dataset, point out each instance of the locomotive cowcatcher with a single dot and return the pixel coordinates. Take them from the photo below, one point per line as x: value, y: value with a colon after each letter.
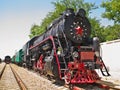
x: 66, y: 51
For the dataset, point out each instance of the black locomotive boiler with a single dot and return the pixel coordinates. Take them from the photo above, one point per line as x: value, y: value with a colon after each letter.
x: 66, y: 51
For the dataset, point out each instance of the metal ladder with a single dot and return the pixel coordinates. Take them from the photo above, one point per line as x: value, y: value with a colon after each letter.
x: 63, y: 64
x: 104, y: 70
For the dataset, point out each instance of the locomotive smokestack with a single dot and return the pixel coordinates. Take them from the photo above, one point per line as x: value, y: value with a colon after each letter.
x: 81, y: 12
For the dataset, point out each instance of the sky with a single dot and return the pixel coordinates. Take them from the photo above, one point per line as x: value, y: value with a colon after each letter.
x: 18, y: 16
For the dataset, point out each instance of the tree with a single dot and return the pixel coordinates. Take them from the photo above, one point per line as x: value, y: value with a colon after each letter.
x: 35, y: 30
x: 112, y: 32
x: 97, y: 29
x: 112, y: 10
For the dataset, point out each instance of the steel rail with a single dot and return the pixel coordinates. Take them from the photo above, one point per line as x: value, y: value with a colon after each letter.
x: 1, y: 73
x: 19, y: 80
x: 100, y: 84
x: 107, y: 85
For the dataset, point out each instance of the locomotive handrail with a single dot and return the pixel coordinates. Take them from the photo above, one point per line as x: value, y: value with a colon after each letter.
x: 50, y: 37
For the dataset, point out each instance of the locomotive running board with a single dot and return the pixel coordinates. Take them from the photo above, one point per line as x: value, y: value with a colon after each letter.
x: 105, y: 69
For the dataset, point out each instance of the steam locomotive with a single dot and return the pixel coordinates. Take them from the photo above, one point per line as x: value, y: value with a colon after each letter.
x: 65, y: 51
x: 7, y: 59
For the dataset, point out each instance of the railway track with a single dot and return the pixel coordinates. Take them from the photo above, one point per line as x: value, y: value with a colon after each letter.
x: 35, y: 82
x: 99, y: 85
x: 108, y: 85
x: 10, y: 80
x: 32, y: 81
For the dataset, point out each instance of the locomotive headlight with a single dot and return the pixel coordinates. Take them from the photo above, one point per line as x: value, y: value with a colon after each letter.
x: 59, y: 51
x: 75, y: 54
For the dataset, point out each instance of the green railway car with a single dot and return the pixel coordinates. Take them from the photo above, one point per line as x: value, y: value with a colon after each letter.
x: 19, y: 57
x: 13, y: 59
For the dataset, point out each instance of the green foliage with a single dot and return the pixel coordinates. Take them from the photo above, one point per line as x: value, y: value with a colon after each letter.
x: 112, y: 32
x: 104, y: 33
x: 97, y: 30
x: 112, y: 10
x: 36, y: 30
